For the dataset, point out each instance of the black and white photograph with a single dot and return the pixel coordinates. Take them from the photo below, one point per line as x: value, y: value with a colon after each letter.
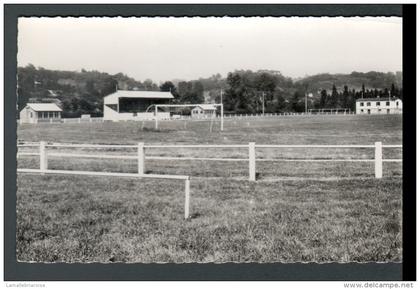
x: 209, y: 140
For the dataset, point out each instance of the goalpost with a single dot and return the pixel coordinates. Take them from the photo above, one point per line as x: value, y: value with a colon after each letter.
x: 188, y: 105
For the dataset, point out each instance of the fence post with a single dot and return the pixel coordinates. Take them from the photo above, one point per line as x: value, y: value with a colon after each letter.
x: 187, y: 198
x: 378, y: 160
x: 43, y: 158
x: 252, y: 161
x: 140, y: 157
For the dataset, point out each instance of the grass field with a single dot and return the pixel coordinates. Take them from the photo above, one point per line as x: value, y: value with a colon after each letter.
x: 295, y: 212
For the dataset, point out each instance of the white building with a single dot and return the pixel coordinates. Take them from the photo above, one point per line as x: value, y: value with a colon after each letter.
x: 383, y: 105
x: 40, y: 112
x: 133, y: 104
x: 203, y: 111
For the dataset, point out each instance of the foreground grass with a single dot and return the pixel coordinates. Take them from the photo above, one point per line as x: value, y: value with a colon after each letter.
x: 95, y: 219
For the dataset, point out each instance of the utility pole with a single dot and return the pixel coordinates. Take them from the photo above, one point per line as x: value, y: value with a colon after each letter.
x: 306, y: 98
x: 263, y: 101
x: 221, y: 109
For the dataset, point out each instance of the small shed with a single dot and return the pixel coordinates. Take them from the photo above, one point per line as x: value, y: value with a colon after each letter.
x: 40, y: 112
x: 204, y: 111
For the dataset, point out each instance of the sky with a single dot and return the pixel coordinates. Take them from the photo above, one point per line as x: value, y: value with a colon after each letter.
x: 189, y: 48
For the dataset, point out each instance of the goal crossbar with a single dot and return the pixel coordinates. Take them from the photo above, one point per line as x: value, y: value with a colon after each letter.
x: 188, y: 105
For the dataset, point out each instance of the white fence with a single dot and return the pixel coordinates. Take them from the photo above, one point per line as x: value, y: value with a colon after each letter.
x: 188, y: 117
x: 43, y: 169
x: 141, y: 157
x: 251, y: 159
x: 82, y: 120
x: 276, y: 114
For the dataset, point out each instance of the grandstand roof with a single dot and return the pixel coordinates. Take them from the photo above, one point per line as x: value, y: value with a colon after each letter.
x: 114, y: 97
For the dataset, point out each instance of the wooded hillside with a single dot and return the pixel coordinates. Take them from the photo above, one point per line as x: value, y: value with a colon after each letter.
x: 82, y: 92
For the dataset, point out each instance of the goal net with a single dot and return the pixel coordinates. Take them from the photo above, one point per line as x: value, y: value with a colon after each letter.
x: 209, y: 113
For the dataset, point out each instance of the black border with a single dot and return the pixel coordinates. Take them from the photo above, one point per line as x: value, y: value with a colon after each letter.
x: 276, y: 271
x: 409, y: 143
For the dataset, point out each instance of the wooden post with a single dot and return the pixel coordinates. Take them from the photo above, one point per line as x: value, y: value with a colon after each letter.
x: 252, y: 161
x: 378, y: 160
x: 187, y: 199
x: 140, y: 157
x: 43, y: 159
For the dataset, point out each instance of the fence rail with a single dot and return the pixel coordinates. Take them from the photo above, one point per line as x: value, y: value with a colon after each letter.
x: 89, y: 145
x: 252, y: 159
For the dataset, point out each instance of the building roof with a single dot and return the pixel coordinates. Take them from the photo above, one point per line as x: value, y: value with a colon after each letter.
x: 44, y: 107
x: 113, y: 97
x: 206, y: 106
x: 378, y: 99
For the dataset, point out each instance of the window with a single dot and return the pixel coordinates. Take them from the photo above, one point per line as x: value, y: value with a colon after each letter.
x: 39, y: 114
x: 361, y: 110
x: 397, y: 103
x: 387, y: 111
x: 368, y: 103
x: 387, y: 103
x: 379, y: 110
x: 31, y: 116
x: 368, y: 111
x: 378, y: 103
x: 362, y: 104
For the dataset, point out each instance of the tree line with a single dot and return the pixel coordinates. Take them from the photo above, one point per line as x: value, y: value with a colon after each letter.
x: 244, y: 91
